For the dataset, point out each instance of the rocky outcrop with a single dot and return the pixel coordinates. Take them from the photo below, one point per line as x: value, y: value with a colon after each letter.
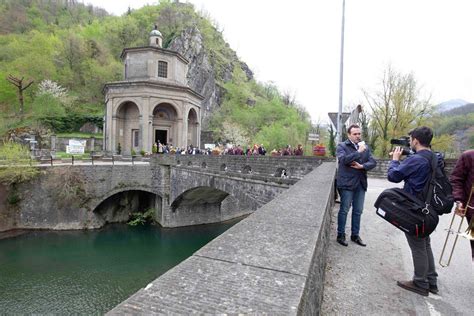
x: 203, y: 76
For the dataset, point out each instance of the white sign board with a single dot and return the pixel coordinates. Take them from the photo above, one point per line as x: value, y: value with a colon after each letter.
x: 210, y: 146
x: 76, y: 146
x: 312, y: 136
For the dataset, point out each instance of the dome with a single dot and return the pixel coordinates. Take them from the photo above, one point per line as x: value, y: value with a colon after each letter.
x: 155, y: 32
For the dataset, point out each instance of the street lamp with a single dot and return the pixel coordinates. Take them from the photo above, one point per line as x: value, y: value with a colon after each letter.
x: 341, y: 76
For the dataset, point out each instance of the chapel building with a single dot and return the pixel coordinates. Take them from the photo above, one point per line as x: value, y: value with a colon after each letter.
x: 153, y: 103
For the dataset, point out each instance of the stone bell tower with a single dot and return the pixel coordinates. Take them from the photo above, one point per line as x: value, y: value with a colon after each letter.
x: 156, y: 39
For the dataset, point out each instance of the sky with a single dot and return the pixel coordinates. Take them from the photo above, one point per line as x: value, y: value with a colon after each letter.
x: 296, y: 45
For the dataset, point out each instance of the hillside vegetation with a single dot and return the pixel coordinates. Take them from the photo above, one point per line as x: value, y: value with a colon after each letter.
x: 69, y: 50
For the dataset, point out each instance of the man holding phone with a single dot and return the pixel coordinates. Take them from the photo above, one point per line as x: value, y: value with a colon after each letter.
x: 354, y: 160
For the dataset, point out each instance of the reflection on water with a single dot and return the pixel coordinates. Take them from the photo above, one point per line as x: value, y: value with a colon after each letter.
x: 90, y: 271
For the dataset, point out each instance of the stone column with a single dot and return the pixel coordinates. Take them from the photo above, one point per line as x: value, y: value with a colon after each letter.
x: 141, y: 132
x: 180, y: 138
x: 150, y: 133
x: 198, y: 134
x: 186, y: 124
x: 147, y: 125
x: 113, y: 135
x: 110, y: 128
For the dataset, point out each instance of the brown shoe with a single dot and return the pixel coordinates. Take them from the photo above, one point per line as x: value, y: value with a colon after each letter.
x: 410, y: 286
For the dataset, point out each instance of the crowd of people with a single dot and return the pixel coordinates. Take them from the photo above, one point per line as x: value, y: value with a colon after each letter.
x: 260, y: 150
x: 255, y: 150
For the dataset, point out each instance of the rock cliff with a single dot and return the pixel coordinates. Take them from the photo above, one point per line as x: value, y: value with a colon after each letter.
x: 207, y: 74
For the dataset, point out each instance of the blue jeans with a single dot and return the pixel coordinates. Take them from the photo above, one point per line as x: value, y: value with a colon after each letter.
x: 348, y: 198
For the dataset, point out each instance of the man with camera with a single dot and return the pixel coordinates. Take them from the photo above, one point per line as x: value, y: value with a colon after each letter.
x: 415, y: 171
x: 354, y: 159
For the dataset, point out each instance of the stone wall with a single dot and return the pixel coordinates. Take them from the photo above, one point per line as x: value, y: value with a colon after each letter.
x: 184, y: 190
x: 271, y: 263
x: 380, y: 171
x: 65, y: 197
x: 61, y: 143
x: 201, y: 196
x: 295, y: 166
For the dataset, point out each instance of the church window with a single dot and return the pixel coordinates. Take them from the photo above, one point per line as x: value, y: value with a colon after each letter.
x: 162, y: 69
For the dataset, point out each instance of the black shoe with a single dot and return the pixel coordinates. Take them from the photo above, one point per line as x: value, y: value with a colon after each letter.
x: 358, y: 241
x: 410, y: 286
x: 341, y: 238
x: 434, y: 289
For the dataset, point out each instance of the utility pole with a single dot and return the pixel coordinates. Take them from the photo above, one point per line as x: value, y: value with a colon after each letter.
x: 341, y: 77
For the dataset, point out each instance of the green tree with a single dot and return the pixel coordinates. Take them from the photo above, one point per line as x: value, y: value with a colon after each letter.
x: 396, y: 107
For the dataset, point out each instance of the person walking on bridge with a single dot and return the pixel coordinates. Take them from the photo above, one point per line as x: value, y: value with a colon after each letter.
x: 354, y: 160
x: 462, y: 180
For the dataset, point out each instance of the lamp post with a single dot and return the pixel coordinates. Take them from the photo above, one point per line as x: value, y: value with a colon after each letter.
x: 341, y: 76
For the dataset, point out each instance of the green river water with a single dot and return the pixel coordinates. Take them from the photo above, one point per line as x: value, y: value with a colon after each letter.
x: 90, y: 272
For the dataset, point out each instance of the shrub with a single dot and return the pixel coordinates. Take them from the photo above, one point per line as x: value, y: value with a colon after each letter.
x: 139, y: 218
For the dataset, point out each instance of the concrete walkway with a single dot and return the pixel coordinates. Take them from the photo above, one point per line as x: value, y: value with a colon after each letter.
x: 362, y: 281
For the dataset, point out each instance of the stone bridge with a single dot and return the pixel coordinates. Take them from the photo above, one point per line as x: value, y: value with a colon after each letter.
x: 183, y: 190
x: 271, y: 263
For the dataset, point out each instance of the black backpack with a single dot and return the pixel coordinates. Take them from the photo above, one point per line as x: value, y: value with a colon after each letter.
x: 438, y: 191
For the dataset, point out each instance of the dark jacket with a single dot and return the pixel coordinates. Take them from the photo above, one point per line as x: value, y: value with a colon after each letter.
x: 349, y: 178
x: 462, y: 177
x: 415, y: 170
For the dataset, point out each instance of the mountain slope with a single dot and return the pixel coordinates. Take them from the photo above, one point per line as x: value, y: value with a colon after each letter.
x: 78, y: 47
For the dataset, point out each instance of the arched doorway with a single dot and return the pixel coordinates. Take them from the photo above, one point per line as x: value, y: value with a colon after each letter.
x: 165, y: 129
x: 193, y: 128
x: 127, y: 134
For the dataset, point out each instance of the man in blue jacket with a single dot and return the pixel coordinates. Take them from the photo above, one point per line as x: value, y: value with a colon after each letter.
x: 415, y: 171
x: 354, y: 159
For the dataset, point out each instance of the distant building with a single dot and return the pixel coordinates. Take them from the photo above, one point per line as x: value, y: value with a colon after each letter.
x: 153, y: 103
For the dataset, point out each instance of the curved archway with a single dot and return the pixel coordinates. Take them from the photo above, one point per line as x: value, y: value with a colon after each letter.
x: 193, y: 124
x: 165, y: 124
x: 199, y: 196
x: 127, y: 133
x: 119, y: 205
x: 204, y: 204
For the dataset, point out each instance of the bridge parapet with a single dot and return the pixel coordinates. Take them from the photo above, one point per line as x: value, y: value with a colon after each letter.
x: 295, y: 166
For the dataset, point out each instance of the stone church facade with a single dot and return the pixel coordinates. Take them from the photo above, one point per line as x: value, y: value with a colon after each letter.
x: 153, y: 103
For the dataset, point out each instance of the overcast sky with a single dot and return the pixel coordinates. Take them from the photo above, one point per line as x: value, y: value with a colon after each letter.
x: 296, y: 44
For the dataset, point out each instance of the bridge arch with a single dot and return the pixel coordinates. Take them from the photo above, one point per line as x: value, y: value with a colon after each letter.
x: 119, y: 204
x: 201, y: 195
x: 204, y: 204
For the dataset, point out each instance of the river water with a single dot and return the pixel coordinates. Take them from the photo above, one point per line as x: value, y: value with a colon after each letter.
x: 90, y: 272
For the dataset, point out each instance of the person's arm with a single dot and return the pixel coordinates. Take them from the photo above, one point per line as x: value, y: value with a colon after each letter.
x: 395, y: 174
x: 458, y: 178
x: 344, y: 158
x: 371, y: 163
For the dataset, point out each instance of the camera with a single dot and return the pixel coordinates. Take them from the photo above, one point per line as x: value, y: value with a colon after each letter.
x: 404, y: 142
